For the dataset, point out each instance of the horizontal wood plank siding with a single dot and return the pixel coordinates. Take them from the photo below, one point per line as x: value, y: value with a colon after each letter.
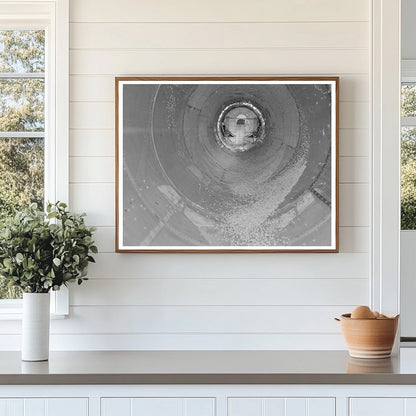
x: 219, y: 11
x: 213, y: 301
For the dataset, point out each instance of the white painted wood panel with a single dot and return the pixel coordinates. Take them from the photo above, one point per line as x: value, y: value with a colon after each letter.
x: 95, y: 143
x: 175, y: 299
x: 281, y: 407
x: 230, y: 266
x: 67, y: 407
x: 301, y: 61
x: 199, y: 407
x: 186, y: 341
x: 218, y: 35
x: 115, y: 407
x: 410, y: 406
x: 157, y: 406
x: 354, y: 207
x: 226, y: 320
x: 104, y: 238
x: 352, y: 239
x: 273, y: 406
x: 44, y: 407
x: 34, y: 407
x: 377, y: 407
x: 321, y: 407
x: 354, y: 115
x: 218, y: 11
x: 218, y: 291
x: 354, y: 169
x: 354, y: 142
x: 15, y: 407
x: 92, y: 169
x: 92, y: 115
x: 98, y: 88
x: 245, y: 407
x: 296, y: 407
x: 96, y: 199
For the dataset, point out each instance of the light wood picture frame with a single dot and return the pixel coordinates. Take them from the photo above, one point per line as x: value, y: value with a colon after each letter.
x: 227, y: 164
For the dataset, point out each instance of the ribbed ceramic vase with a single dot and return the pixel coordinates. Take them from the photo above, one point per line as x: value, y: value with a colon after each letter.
x: 35, y: 326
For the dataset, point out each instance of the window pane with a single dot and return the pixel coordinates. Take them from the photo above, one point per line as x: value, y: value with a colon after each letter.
x: 22, y: 51
x: 22, y: 109
x: 21, y: 182
x: 21, y: 173
x: 9, y: 292
x: 408, y: 178
x: 22, y: 105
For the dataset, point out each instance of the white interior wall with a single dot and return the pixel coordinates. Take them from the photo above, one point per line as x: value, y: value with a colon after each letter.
x: 214, y: 301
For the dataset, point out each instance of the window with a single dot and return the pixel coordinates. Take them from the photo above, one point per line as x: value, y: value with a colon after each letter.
x: 408, y: 147
x: 33, y: 111
x: 22, y: 124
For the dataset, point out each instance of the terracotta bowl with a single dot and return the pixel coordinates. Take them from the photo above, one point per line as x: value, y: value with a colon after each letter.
x: 369, y: 338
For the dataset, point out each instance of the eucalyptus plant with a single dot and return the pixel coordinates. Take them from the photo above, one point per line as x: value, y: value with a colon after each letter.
x: 42, y: 251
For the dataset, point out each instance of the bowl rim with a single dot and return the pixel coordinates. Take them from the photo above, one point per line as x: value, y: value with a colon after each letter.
x: 347, y: 316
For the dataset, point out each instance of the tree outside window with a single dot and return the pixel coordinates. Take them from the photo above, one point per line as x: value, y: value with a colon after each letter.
x: 22, y: 124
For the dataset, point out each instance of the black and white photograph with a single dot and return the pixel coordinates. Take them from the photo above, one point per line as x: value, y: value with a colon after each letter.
x: 227, y: 164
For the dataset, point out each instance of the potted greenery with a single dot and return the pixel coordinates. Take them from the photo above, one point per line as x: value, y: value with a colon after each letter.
x: 40, y: 252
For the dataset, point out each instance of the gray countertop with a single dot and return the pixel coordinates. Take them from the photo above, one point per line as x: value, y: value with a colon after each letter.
x: 208, y: 367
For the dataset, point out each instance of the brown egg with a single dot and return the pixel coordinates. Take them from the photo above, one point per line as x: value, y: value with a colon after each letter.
x: 362, y: 312
x: 376, y: 314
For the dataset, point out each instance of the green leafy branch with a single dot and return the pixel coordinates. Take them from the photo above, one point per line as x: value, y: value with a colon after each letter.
x: 43, y: 251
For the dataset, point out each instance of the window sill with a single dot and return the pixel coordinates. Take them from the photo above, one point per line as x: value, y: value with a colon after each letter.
x: 11, y: 309
x: 17, y: 316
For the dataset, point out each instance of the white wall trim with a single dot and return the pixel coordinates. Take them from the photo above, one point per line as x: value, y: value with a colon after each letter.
x: 385, y: 291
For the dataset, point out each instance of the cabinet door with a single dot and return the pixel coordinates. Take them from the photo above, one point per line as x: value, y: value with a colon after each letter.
x: 281, y: 406
x: 155, y: 406
x: 382, y: 406
x: 44, y: 407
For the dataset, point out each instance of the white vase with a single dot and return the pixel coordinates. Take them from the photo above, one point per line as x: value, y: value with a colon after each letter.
x: 35, y: 326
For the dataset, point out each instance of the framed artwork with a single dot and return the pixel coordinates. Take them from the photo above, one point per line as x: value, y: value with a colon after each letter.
x: 210, y: 164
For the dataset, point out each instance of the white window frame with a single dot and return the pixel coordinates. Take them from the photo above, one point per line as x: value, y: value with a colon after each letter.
x: 53, y: 17
x: 385, y: 115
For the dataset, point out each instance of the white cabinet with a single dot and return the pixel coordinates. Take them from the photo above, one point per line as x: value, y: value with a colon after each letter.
x: 383, y: 406
x: 281, y: 407
x: 44, y: 407
x: 157, y: 406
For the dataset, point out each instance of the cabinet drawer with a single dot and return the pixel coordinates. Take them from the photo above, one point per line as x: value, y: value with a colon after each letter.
x: 276, y: 406
x: 44, y: 407
x: 377, y: 406
x: 157, y: 406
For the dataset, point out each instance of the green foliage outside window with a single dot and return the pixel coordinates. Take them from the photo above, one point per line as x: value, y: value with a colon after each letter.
x: 21, y: 110
x: 408, y: 179
x: 408, y: 160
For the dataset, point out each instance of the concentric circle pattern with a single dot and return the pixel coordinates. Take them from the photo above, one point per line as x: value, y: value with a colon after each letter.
x: 240, y: 126
x: 227, y: 165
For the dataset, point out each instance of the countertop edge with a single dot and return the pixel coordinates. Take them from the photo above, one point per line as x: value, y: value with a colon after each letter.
x: 126, y: 379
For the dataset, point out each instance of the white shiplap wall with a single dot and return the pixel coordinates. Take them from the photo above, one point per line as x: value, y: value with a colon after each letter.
x: 214, y: 301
